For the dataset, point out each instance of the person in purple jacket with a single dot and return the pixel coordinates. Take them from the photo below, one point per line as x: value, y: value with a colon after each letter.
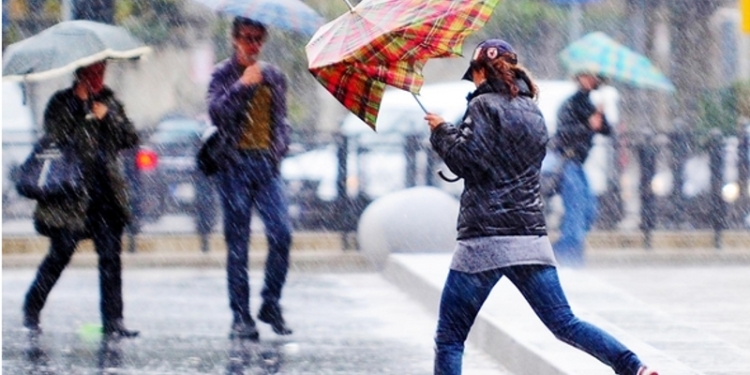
x: 247, y: 104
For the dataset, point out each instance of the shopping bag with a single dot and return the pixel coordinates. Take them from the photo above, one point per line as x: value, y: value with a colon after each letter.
x: 50, y: 172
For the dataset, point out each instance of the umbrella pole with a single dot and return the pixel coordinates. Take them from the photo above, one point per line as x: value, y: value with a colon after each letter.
x: 351, y: 8
x: 420, y: 103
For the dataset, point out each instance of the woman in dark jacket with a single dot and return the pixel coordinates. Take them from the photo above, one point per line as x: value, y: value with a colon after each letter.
x: 498, y: 150
x: 88, y: 119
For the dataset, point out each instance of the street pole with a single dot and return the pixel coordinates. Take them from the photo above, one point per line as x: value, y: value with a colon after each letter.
x: 67, y: 10
x: 576, y: 15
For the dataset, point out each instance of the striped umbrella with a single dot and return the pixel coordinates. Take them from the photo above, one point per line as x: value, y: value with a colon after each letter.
x: 293, y: 15
x: 598, y: 53
x: 387, y: 42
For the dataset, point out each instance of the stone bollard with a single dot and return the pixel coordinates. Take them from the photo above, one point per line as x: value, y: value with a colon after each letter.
x: 419, y: 219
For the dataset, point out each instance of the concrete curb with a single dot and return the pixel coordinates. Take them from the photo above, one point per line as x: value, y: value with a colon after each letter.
x: 732, y: 242
x: 176, y: 242
x: 302, y: 261
x: 509, y: 331
x: 517, y: 357
x: 623, y: 257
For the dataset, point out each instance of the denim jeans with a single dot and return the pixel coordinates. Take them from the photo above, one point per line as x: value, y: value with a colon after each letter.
x: 464, y: 294
x: 254, y: 184
x: 580, y: 205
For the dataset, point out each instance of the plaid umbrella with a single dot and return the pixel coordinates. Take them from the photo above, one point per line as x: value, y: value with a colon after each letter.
x: 381, y: 42
x: 67, y: 46
x: 291, y: 15
x: 597, y: 53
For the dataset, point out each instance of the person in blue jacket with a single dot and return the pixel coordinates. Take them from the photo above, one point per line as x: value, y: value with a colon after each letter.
x: 498, y: 150
x: 247, y: 104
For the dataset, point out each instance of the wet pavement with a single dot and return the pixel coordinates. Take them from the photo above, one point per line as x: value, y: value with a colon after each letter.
x: 344, y: 323
x: 682, y: 320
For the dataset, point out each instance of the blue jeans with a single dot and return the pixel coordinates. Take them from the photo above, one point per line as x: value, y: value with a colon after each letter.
x: 464, y: 294
x: 254, y: 183
x: 580, y: 206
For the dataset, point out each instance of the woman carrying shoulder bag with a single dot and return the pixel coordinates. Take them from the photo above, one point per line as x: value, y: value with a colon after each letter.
x: 89, y: 120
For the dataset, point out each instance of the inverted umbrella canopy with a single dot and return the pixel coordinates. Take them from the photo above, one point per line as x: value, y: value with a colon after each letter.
x: 598, y: 53
x: 292, y: 15
x: 381, y: 42
x: 67, y: 46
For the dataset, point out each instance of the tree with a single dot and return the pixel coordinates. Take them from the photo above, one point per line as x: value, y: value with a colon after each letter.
x: 95, y: 10
x: 690, y: 52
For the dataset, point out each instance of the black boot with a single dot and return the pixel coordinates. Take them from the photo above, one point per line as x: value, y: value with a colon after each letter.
x: 117, y: 329
x: 244, y: 330
x: 271, y: 313
x: 31, y: 321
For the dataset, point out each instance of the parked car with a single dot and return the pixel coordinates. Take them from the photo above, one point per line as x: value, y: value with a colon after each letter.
x: 19, y: 135
x: 165, y: 179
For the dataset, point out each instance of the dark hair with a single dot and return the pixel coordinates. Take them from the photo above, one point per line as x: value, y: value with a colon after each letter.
x: 506, y: 69
x: 77, y: 73
x: 243, y: 21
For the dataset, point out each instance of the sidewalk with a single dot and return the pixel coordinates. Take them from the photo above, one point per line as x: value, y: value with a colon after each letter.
x: 344, y: 324
x: 682, y: 309
x: 680, y: 337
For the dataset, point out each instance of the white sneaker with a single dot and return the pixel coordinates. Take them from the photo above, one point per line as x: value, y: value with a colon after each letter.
x: 646, y: 371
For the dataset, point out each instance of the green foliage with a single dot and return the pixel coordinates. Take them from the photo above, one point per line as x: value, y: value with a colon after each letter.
x: 154, y: 22
x: 722, y: 108
x: 330, y: 9
x: 11, y: 34
x: 521, y: 19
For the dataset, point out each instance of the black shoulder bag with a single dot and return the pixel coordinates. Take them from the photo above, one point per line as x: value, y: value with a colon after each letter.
x: 50, y: 172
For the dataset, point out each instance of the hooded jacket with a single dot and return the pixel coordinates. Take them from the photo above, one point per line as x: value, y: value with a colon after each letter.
x: 498, y: 150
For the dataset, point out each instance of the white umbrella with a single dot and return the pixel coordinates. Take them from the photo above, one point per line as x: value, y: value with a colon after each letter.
x: 67, y: 46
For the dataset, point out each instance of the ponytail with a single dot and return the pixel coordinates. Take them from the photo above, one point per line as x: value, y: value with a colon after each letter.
x: 506, y: 69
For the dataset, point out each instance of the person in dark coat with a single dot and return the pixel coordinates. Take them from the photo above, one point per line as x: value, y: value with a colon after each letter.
x: 247, y: 104
x: 88, y: 119
x: 578, y: 120
x: 498, y: 150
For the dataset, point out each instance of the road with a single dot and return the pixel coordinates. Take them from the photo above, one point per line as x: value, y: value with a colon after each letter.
x: 344, y: 324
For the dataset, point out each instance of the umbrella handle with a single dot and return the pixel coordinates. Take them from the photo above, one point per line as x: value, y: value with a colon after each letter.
x: 418, y: 102
x: 448, y: 179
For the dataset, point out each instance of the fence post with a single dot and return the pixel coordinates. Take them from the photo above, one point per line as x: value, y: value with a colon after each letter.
x: 411, y: 147
x: 647, y: 159
x: 716, y: 165
x: 680, y: 141
x: 743, y: 169
x: 343, y: 203
x: 133, y: 176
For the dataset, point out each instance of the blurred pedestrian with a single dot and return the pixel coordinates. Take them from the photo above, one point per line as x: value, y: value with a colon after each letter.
x: 247, y: 103
x: 578, y: 120
x: 88, y: 119
x: 498, y: 150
